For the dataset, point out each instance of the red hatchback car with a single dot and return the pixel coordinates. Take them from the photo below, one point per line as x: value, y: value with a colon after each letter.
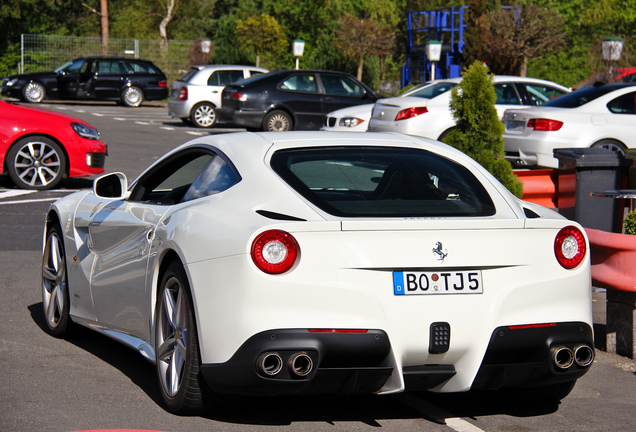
x: 38, y: 147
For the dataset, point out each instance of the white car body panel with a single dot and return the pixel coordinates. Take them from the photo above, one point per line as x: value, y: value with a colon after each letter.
x: 583, y: 127
x: 343, y: 278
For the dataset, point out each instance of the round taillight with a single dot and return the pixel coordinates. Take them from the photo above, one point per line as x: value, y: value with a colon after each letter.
x: 274, y: 251
x: 569, y: 247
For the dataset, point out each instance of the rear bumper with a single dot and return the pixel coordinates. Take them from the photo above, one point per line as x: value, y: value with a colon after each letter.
x: 345, y: 363
x: 243, y: 118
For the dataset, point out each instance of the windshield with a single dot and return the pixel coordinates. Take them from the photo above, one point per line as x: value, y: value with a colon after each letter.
x: 382, y: 182
x: 59, y: 68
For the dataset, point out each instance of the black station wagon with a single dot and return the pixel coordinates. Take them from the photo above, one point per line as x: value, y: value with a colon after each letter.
x: 128, y: 81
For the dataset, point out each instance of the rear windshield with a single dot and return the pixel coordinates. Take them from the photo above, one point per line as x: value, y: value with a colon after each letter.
x: 579, y: 97
x: 382, y: 182
x: 431, y: 91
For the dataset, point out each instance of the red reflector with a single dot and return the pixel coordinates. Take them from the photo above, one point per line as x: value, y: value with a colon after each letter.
x: 338, y: 330
x: 163, y: 83
x: 410, y: 113
x: 545, y: 125
x: 527, y: 326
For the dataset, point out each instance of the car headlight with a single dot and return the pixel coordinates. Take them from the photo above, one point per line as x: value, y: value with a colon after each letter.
x: 85, y: 131
x: 350, y: 121
x: 9, y: 82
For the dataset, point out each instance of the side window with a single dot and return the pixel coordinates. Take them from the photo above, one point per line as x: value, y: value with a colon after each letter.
x: 168, y: 183
x: 540, y: 94
x: 225, y: 77
x: 216, y: 177
x: 77, y: 67
x: 341, y: 85
x: 138, y: 67
x: 304, y: 83
x: 625, y: 104
x: 507, y: 94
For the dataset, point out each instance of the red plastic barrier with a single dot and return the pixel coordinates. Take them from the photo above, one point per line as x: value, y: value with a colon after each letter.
x: 613, y: 258
x: 539, y: 186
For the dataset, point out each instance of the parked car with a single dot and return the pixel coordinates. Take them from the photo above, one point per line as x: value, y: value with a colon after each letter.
x: 619, y: 75
x: 125, y: 80
x: 291, y: 99
x: 603, y: 116
x: 426, y: 112
x: 314, y: 262
x: 38, y: 147
x: 197, y: 94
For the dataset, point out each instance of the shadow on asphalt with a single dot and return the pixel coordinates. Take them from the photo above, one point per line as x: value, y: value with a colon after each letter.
x: 286, y: 410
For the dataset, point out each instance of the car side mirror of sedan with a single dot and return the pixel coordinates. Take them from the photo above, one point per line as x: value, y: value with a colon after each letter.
x: 113, y: 185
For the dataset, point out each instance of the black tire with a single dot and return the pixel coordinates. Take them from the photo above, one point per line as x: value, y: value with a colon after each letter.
x: 55, y: 293
x: 203, y: 115
x: 33, y: 92
x: 132, y: 96
x: 278, y: 121
x: 36, y: 162
x: 611, y: 144
x: 175, y: 337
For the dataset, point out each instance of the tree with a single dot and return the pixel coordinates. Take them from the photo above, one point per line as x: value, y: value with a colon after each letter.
x: 262, y: 33
x: 169, y: 9
x: 478, y: 131
x: 521, y: 33
x: 359, y: 38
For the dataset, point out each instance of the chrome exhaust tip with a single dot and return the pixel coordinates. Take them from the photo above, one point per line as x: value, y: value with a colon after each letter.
x: 300, y: 364
x: 270, y: 363
x: 583, y: 355
x: 563, y: 357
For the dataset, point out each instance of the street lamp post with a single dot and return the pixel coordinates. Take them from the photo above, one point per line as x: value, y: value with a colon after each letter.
x: 612, y: 48
x: 433, y: 53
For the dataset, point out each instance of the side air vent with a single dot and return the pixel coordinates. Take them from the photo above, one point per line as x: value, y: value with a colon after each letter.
x: 278, y: 216
x: 530, y: 214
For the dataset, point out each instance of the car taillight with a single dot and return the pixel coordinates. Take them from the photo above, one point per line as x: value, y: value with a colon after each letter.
x: 410, y: 113
x: 163, y: 83
x: 274, y: 251
x: 569, y: 247
x: 183, y: 94
x: 238, y: 96
x: 546, y: 125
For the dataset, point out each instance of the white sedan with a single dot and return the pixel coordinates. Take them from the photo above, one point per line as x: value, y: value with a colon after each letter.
x: 427, y: 113
x: 304, y: 262
x: 602, y: 116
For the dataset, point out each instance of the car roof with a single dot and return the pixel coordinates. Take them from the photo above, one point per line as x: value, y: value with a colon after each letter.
x: 226, y: 66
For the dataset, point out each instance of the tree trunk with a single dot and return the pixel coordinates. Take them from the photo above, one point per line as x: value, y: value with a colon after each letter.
x: 170, y: 10
x: 524, y: 67
x: 360, y: 65
x: 104, y: 21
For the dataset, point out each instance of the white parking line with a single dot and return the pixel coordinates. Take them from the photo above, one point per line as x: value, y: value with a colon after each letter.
x: 29, y: 201
x: 14, y: 193
x: 436, y: 414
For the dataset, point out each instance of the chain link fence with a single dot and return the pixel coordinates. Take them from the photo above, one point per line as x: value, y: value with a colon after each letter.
x: 40, y: 53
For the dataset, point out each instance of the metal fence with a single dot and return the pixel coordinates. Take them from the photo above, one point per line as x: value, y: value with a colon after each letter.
x: 44, y: 53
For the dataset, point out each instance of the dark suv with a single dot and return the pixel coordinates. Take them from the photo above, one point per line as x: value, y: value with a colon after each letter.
x: 129, y: 81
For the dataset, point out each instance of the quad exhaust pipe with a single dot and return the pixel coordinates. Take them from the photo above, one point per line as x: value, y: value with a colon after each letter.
x: 564, y: 357
x: 299, y: 364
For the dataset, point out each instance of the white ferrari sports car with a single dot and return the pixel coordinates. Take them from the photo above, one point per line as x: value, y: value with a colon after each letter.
x: 318, y: 262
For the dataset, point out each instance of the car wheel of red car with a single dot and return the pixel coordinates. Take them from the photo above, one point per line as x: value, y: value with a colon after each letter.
x: 277, y: 121
x: 33, y: 92
x: 132, y: 96
x: 36, y: 162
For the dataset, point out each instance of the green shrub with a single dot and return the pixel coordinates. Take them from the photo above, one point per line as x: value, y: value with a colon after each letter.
x: 479, y: 131
x: 630, y: 223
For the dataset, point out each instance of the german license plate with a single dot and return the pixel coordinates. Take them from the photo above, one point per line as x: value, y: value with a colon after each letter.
x: 515, y: 125
x: 437, y: 282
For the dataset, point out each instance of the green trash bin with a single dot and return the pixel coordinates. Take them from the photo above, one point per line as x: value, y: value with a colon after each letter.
x: 584, y: 170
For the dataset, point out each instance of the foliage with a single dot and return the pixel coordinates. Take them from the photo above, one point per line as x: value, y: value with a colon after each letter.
x: 629, y: 224
x: 478, y: 131
x: 359, y: 38
x: 263, y: 34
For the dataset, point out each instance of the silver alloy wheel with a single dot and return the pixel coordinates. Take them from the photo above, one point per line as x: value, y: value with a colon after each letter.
x: 53, y: 281
x: 204, y: 115
x: 278, y: 122
x: 37, y: 164
x: 172, y: 337
x: 611, y: 144
x: 33, y: 92
x: 132, y: 96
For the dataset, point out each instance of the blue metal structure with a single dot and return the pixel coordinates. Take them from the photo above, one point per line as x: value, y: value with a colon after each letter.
x: 444, y: 25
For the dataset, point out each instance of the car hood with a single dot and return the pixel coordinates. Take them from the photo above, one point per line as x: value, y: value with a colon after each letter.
x: 359, y: 111
x: 39, y: 112
x: 35, y: 75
